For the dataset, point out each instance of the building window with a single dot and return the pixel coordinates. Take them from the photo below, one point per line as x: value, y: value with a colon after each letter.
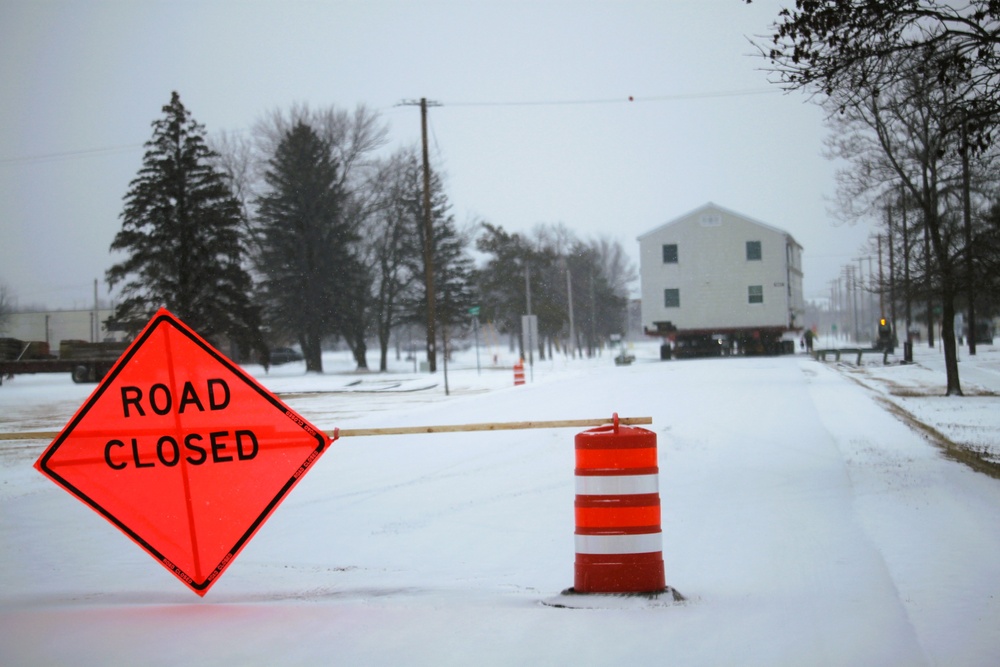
x: 669, y: 253
x: 755, y: 294
x: 753, y: 251
x: 672, y: 298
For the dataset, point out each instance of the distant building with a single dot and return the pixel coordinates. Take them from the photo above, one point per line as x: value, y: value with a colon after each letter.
x: 713, y: 269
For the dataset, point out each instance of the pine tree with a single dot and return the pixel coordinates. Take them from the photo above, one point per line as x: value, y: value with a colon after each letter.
x: 454, y: 288
x: 501, y: 278
x: 311, y: 275
x: 181, y: 231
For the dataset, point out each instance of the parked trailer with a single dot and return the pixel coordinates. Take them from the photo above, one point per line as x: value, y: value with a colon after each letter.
x: 84, y: 361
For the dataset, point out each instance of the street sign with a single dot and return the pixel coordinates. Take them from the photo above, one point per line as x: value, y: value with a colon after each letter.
x: 529, y: 334
x: 474, y: 311
x: 182, y: 451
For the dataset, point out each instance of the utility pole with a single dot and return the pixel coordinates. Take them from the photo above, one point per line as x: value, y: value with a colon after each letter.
x: 907, y: 288
x: 859, y: 323
x: 852, y: 287
x: 428, y: 236
x: 892, y: 276
x: 529, y: 339
x: 839, y: 316
x: 927, y: 284
x: 871, y: 296
x: 96, y: 329
x: 970, y: 266
x: 881, y: 276
x: 569, y: 300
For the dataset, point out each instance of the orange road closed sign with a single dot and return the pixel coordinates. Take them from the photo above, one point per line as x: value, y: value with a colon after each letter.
x: 183, y: 451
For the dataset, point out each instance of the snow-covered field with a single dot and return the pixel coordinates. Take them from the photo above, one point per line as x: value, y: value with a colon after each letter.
x: 803, y: 520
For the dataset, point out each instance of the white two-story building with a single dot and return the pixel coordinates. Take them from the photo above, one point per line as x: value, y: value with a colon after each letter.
x: 713, y: 271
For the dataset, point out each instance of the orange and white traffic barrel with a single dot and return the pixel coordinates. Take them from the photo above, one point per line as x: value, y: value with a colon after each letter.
x: 619, y: 542
x: 518, y: 372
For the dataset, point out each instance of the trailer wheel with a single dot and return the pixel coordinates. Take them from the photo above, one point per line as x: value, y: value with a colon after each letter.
x: 100, y: 371
x: 81, y: 374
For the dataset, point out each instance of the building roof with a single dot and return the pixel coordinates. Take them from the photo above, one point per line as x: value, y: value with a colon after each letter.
x: 716, y: 207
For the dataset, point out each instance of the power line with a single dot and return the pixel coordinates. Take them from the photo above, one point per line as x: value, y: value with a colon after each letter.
x: 631, y: 99
x: 115, y: 150
x: 69, y: 155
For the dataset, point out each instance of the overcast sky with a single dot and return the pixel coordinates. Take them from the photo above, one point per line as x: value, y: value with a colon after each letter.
x: 535, y: 123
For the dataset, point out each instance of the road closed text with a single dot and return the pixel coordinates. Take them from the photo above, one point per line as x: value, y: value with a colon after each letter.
x: 196, y: 449
x: 168, y: 450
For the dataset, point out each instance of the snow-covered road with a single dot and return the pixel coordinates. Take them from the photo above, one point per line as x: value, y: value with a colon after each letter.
x: 804, y: 523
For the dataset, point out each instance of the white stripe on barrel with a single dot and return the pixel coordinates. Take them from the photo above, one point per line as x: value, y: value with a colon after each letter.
x: 616, y: 485
x: 619, y: 544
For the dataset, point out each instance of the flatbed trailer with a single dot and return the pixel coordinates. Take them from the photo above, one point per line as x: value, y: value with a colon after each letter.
x: 81, y: 370
x: 84, y: 361
x: 725, y: 341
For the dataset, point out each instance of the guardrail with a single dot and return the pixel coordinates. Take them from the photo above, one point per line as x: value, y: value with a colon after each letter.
x: 821, y: 355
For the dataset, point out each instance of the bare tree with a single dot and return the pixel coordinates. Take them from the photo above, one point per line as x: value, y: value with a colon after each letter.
x: 848, y: 47
x: 391, y: 244
x: 618, y: 269
x: 903, y: 133
x: 236, y: 157
x: 353, y: 137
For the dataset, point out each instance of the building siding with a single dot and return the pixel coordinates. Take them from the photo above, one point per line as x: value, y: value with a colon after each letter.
x: 713, y: 273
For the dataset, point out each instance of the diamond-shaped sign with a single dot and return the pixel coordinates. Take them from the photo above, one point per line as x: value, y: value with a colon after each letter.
x: 183, y: 451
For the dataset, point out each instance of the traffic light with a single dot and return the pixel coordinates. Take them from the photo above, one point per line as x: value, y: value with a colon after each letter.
x: 884, y: 335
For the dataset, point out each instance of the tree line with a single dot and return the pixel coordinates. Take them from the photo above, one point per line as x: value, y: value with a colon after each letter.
x: 911, y: 92
x: 307, y: 230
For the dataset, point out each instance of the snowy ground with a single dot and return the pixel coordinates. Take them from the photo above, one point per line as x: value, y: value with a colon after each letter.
x: 804, y: 521
x: 916, y: 392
